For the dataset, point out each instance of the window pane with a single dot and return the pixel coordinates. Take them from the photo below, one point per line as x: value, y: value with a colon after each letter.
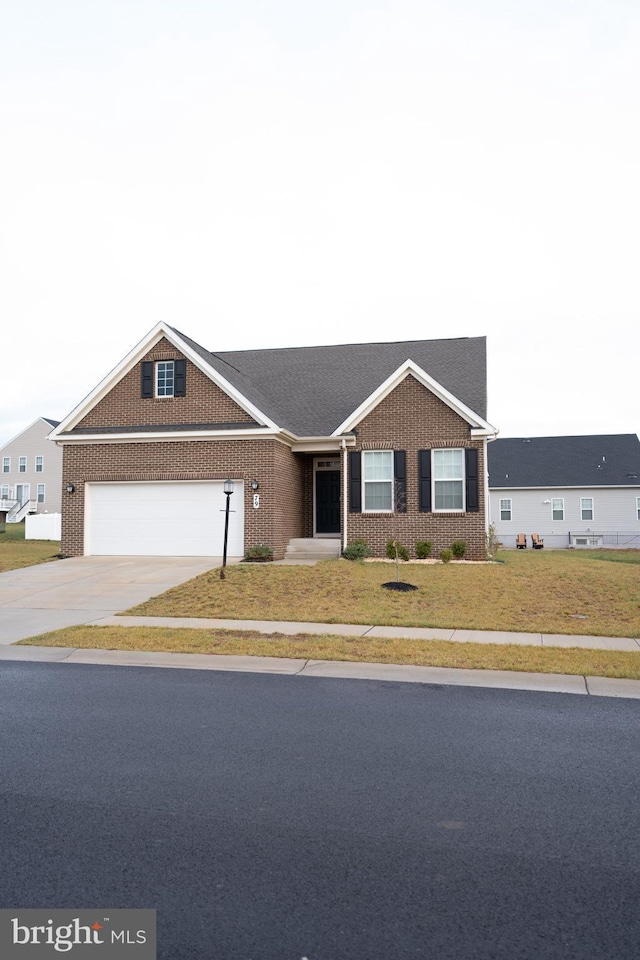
x: 164, y: 375
x: 22, y: 465
x: 41, y: 493
x: 378, y: 465
x: 6, y: 464
x: 39, y: 464
x: 557, y: 508
x: 586, y: 508
x: 448, y: 464
x: 448, y: 495
x: 377, y: 496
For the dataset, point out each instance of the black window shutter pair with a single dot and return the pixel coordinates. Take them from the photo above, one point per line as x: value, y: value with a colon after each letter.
x: 179, y: 381
x: 471, y: 481
x: 355, y: 481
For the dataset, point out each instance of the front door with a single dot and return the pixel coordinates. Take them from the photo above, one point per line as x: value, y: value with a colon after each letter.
x: 23, y: 491
x: 327, y: 501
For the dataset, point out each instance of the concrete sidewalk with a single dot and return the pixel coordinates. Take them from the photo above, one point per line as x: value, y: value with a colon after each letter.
x: 368, y: 630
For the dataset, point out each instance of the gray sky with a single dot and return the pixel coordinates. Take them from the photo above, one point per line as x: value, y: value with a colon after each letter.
x: 275, y: 173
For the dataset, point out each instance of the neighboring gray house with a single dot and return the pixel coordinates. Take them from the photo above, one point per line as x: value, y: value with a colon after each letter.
x: 572, y: 491
x: 31, y: 473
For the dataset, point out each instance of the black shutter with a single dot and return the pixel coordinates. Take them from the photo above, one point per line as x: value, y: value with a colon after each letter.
x: 473, y: 500
x: 400, y: 476
x: 355, y: 476
x: 147, y: 379
x: 180, y: 381
x: 424, y: 480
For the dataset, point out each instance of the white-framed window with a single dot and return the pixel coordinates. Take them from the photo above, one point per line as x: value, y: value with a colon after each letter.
x: 377, y: 481
x: 41, y: 493
x: 22, y: 465
x: 165, y: 378
x: 586, y: 508
x: 39, y: 464
x: 557, y: 508
x: 6, y: 464
x: 4, y: 491
x: 448, y: 480
x: 505, y: 509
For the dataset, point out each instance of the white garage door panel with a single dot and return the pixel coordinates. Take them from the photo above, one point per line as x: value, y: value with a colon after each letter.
x: 170, y: 519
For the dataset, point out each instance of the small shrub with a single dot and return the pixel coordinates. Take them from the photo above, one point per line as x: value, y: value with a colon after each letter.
x: 423, y: 549
x: 492, y: 542
x: 393, y: 546
x: 260, y: 553
x: 356, y: 550
x: 446, y: 555
x: 458, y: 549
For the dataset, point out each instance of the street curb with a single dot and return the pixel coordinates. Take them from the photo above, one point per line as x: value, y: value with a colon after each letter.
x: 334, y: 669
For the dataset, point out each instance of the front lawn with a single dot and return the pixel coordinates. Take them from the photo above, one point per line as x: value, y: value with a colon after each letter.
x: 562, y: 591
x: 17, y: 552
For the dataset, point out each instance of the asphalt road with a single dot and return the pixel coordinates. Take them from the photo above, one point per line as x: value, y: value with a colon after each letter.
x: 276, y: 818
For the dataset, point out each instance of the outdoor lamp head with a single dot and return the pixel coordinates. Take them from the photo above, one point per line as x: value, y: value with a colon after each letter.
x: 228, y: 486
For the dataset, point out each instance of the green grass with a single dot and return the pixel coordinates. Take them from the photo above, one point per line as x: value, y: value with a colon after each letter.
x: 434, y: 653
x: 616, y: 556
x: 16, y: 552
x: 561, y: 591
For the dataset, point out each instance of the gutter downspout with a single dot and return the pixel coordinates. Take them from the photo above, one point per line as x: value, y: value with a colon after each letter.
x: 343, y: 444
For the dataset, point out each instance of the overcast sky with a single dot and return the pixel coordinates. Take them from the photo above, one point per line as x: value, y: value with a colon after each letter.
x: 282, y: 173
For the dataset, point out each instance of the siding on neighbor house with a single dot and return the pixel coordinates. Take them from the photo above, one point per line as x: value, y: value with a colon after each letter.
x: 278, y: 518
x: 614, y: 512
x: 411, y: 418
x: 204, y: 402
x: 32, y: 443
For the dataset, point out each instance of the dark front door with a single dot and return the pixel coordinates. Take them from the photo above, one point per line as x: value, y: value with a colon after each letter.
x: 327, y: 501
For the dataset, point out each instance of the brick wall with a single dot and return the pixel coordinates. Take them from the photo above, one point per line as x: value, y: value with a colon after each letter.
x: 411, y: 418
x: 204, y: 401
x: 276, y: 469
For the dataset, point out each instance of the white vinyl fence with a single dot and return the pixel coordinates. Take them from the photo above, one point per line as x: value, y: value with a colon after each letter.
x: 43, y: 526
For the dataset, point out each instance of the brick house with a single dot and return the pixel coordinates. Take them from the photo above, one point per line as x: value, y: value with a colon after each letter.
x: 328, y: 443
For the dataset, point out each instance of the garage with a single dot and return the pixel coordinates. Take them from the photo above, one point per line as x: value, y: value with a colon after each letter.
x: 162, y: 519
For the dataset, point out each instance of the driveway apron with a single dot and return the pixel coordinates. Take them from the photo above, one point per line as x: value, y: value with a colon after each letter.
x: 63, y: 593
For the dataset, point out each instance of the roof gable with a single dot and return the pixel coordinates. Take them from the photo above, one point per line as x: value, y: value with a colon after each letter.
x: 127, y: 364
x: 589, y: 461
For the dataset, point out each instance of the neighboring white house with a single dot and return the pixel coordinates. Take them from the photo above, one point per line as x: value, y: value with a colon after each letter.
x: 31, y: 472
x: 572, y: 491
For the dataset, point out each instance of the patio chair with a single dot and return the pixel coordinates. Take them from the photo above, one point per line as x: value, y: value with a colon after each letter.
x: 536, y: 542
x: 521, y: 541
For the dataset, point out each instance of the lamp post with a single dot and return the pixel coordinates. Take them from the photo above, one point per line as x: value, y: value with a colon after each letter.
x: 228, y: 490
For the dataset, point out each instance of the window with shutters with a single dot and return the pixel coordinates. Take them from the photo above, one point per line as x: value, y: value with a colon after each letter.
x: 164, y: 378
x: 377, y: 481
x: 448, y: 480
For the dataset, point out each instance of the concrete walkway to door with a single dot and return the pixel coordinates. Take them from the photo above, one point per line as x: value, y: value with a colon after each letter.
x: 63, y: 593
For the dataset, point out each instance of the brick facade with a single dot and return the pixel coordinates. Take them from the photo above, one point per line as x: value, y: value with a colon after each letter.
x: 411, y: 418
x: 277, y: 470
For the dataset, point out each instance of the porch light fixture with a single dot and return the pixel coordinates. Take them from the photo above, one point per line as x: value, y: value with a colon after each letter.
x: 228, y: 490
x: 254, y: 484
x: 70, y: 488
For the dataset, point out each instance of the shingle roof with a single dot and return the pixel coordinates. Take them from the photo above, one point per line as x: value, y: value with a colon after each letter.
x: 312, y: 390
x: 591, y: 461
x: 54, y: 423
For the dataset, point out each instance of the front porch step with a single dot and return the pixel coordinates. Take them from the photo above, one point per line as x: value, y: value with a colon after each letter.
x: 310, y: 548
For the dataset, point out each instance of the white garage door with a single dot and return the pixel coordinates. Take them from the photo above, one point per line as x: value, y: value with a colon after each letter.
x: 164, y: 519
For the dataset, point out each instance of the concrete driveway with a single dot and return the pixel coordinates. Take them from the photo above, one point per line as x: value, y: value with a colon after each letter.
x: 62, y: 593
